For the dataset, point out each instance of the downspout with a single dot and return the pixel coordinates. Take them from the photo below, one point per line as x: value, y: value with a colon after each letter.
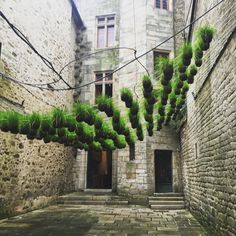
x: 193, y: 13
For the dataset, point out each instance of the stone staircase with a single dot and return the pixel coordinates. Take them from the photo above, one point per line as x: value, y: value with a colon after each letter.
x: 92, y: 198
x: 166, y: 201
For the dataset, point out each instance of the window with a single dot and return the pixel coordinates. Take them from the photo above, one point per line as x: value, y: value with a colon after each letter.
x: 162, y: 4
x: 103, y: 84
x: 105, y: 31
x: 131, y: 152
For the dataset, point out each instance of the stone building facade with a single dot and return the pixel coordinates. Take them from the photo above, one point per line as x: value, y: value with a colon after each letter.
x: 33, y: 173
x: 208, y: 136
x: 138, y: 25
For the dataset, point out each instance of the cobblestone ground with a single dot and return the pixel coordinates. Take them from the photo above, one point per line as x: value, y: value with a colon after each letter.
x: 101, y: 220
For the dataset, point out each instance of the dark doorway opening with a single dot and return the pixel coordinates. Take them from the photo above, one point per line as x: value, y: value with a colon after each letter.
x: 99, y: 170
x: 163, y: 171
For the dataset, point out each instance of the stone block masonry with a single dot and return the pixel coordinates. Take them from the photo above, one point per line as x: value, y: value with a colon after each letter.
x: 208, y: 137
x: 32, y: 173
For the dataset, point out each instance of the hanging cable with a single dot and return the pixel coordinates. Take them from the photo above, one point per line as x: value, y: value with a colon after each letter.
x: 131, y: 61
x: 24, y: 39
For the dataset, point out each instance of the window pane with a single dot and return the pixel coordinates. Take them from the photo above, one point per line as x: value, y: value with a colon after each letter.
x: 110, y: 36
x: 108, y: 90
x: 158, y: 3
x: 111, y: 20
x: 98, y: 77
x: 101, y: 21
x: 108, y: 77
x: 98, y: 90
x: 165, y: 4
x: 101, y: 37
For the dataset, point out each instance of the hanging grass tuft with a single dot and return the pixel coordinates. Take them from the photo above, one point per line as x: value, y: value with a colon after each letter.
x: 10, y: 121
x: 186, y: 53
x: 84, y: 113
x: 108, y: 144
x: 61, y: 132
x: 3, y: 122
x: 35, y: 121
x: 147, y: 84
x: 165, y: 67
x: 180, y: 102
x: 148, y: 107
x: 46, y: 122
x: 116, y: 115
x: 148, y: 117
x: 130, y: 139
x: 120, y: 141
x: 172, y: 98
x: 134, y: 108
x: 47, y: 139
x: 84, y: 132
x: 70, y: 122
x: 185, y: 87
x: 139, y: 132
x: 167, y: 89
x: 105, y: 104
x: 160, y: 119
x: 190, y: 79
x: 134, y: 120
x: 58, y: 118
x: 198, y: 62
x: 161, y: 109
x: 183, y: 76
x: 192, y: 70
x: 24, y: 125
x: 96, y: 146
x: 98, y: 122
x: 205, y: 34
x: 127, y: 97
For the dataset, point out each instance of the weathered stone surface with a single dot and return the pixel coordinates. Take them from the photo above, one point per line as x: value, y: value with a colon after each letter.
x: 207, y: 138
x: 31, y: 172
x: 102, y: 220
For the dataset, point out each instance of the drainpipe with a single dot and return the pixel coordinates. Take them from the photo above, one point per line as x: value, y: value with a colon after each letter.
x: 193, y: 12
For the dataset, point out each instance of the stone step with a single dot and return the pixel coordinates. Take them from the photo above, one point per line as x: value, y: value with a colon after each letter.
x: 86, y: 202
x: 98, y: 191
x: 166, y: 202
x: 91, y: 197
x: 167, y: 207
x: 168, y: 194
x: 166, y: 198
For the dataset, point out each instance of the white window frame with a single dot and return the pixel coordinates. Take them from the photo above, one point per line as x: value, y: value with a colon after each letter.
x: 105, y: 25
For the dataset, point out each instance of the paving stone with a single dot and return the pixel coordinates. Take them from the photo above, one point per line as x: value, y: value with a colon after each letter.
x: 100, y: 220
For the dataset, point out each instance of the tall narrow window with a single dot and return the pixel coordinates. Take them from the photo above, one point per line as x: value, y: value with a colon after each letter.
x: 105, y: 31
x: 104, y: 84
x: 162, y: 4
x: 131, y: 152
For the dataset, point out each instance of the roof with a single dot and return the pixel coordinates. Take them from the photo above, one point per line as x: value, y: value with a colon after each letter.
x: 76, y: 16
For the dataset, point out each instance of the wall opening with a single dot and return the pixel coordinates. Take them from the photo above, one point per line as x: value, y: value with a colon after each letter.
x: 99, y: 170
x: 163, y: 171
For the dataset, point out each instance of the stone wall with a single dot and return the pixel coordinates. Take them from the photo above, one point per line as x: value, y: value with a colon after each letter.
x: 208, y: 137
x: 139, y: 26
x: 33, y: 173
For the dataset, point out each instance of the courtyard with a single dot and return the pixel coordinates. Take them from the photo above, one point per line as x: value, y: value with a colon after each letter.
x: 63, y: 220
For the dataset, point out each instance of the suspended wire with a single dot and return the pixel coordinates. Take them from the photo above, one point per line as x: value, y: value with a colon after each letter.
x: 24, y: 39
x: 131, y: 61
x: 94, y: 53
